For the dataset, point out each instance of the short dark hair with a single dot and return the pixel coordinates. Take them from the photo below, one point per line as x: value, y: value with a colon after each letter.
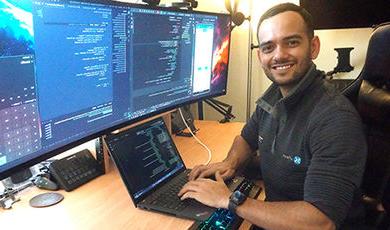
x: 280, y: 8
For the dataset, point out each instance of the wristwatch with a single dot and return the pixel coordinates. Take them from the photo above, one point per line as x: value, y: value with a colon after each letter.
x: 235, y: 200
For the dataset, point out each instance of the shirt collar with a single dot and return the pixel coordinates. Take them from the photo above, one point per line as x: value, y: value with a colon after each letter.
x: 273, y: 95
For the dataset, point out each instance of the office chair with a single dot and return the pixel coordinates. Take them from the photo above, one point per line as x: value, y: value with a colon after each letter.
x: 370, y: 94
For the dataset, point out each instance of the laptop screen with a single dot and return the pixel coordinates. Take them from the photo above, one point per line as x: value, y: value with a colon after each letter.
x: 145, y: 156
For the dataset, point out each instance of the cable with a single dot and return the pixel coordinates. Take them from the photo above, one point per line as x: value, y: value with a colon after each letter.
x: 197, y: 139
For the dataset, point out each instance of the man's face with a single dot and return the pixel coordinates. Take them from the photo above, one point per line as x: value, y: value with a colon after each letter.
x: 285, y: 50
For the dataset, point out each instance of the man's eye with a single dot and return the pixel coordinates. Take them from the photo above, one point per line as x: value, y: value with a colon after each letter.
x: 293, y: 43
x: 267, y: 49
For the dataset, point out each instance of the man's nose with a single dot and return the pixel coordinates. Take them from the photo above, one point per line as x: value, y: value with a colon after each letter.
x: 280, y: 53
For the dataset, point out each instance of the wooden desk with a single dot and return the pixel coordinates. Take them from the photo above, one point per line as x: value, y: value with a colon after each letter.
x: 104, y: 203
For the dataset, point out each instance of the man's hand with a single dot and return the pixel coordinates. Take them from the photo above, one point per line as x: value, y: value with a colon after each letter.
x: 209, y: 192
x: 237, y: 155
x: 225, y: 169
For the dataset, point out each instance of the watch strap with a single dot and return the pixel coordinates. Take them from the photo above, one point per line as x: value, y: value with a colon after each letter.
x: 235, y: 200
x: 232, y: 206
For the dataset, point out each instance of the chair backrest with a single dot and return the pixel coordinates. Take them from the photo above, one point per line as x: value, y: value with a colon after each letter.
x: 370, y: 94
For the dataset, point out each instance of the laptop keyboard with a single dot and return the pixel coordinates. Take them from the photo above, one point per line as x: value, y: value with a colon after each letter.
x: 168, y: 197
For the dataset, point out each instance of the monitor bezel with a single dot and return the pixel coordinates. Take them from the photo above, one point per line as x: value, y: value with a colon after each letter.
x: 44, y: 156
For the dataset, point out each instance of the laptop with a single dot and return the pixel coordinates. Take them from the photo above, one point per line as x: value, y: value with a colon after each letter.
x: 153, y: 171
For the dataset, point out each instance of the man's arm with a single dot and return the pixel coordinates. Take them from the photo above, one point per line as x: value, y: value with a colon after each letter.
x: 284, y: 215
x: 237, y: 155
x: 269, y: 215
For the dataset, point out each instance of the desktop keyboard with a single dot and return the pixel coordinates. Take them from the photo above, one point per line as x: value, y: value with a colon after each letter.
x: 223, y: 218
x: 73, y: 171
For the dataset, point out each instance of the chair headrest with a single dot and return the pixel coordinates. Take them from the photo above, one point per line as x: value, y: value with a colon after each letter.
x: 376, y: 69
x: 374, y: 105
x: 373, y: 102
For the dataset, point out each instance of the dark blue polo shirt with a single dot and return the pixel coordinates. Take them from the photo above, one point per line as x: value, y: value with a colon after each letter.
x: 311, y: 145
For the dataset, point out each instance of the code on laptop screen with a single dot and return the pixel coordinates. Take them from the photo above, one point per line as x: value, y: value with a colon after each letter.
x: 146, y: 156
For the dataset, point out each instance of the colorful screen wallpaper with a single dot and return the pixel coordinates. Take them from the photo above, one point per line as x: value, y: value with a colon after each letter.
x: 221, y: 54
x: 16, y: 28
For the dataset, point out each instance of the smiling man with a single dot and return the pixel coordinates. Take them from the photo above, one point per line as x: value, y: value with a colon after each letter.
x: 311, y: 144
x: 287, y: 48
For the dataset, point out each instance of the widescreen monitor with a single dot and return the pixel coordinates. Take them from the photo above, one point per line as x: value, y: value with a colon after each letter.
x: 74, y: 70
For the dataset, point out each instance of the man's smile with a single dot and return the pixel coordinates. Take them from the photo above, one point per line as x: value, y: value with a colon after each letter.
x: 284, y: 66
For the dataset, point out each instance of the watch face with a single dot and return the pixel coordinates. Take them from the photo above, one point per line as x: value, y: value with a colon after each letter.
x: 238, y: 197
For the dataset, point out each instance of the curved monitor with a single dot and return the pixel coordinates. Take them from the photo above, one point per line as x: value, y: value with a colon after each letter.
x: 74, y: 70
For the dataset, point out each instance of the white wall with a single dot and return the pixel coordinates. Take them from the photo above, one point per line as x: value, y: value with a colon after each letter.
x: 330, y: 39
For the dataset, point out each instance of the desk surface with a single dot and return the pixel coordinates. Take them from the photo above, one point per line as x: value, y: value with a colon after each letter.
x: 104, y: 203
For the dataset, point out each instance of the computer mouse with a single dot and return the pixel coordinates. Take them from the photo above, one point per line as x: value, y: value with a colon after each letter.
x: 45, y: 183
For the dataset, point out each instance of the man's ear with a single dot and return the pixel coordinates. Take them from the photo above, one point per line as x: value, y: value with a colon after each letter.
x: 315, y: 47
x: 258, y: 54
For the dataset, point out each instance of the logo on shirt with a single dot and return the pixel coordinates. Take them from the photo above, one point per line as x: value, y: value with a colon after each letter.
x: 260, y: 139
x: 297, y: 160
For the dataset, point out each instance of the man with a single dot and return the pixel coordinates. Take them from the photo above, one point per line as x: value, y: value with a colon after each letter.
x: 311, y: 144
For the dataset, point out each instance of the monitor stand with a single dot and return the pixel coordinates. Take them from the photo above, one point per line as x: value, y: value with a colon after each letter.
x: 46, y: 199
